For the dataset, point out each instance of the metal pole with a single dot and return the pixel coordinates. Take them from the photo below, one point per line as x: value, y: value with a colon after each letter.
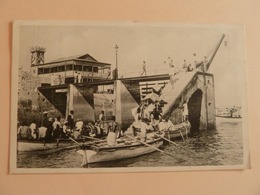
x: 116, y: 71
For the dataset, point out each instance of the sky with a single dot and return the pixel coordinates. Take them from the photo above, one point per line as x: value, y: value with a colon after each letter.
x: 150, y: 42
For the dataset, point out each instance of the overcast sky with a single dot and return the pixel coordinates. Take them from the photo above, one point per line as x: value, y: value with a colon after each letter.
x: 152, y: 43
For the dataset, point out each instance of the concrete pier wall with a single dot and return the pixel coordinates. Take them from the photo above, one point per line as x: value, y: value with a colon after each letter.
x: 125, y: 102
x: 80, y: 99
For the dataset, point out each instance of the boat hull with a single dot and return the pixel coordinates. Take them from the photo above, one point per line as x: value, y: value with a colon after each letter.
x: 37, y: 145
x: 121, y: 152
x: 181, y: 130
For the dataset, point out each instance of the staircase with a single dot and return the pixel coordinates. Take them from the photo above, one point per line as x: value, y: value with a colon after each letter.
x: 173, y: 90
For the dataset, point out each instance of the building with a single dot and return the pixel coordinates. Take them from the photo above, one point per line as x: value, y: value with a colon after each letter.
x: 73, y: 69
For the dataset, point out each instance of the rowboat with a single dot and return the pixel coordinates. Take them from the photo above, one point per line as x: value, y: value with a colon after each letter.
x: 122, y: 150
x: 55, y: 145
x: 180, y: 130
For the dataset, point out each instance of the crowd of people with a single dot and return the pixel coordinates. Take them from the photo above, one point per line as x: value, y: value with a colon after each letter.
x: 55, y: 128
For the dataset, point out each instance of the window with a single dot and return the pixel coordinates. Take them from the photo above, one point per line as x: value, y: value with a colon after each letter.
x: 78, y: 67
x: 40, y: 71
x: 69, y: 67
x: 60, y: 68
x: 54, y: 69
x: 95, y: 69
x: 87, y: 68
x: 46, y: 70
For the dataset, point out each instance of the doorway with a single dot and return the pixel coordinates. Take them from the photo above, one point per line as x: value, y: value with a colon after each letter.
x: 194, y: 107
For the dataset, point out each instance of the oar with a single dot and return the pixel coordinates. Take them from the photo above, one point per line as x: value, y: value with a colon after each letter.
x: 173, y: 142
x: 151, y: 146
x: 91, y: 137
x: 186, y: 129
x: 182, y: 136
x: 75, y: 141
x: 166, y: 139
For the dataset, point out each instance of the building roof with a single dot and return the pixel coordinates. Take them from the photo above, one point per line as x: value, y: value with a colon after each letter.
x: 81, y: 57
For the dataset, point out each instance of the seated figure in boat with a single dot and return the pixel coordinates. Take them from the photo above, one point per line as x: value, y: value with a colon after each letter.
x: 57, y: 129
x: 155, y: 118
x: 99, y: 128
x: 92, y: 129
x: 111, y: 138
x: 114, y: 127
x: 78, y: 128
x: 23, y: 132
x: 86, y: 130
x: 136, y: 112
x: 144, y: 128
x: 66, y: 131
x: 166, y: 125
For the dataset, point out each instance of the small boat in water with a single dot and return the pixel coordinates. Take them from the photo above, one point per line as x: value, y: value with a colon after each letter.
x: 180, y: 130
x: 125, y: 148
x: 54, y: 145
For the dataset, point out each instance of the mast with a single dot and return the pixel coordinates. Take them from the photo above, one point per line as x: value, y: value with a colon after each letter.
x: 214, y: 53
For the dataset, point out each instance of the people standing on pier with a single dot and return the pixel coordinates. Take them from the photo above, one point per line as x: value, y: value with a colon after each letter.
x: 184, y: 66
x: 52, y: 79
x: 108, y: 73
x: 79, y: 78
x: 59, y: 80
x: 189, y: 69
x: 75, y: 77
x: 144, y: 69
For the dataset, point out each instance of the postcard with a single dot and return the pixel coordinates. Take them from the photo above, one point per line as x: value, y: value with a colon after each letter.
x: 128, y: 97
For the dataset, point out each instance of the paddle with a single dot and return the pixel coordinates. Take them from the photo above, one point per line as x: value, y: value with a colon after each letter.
x: 173, y: 142
x: 166, y: 139
x: 91, y: 137
x: 151, y: 146
x: 75, y: 141
x: 182, y: 136
x: 186, y: 129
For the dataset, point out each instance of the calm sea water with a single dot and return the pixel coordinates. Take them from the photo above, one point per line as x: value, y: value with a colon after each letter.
x: 222, y: 146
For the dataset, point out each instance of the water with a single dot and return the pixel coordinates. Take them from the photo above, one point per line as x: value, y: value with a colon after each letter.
x: 223, y: 146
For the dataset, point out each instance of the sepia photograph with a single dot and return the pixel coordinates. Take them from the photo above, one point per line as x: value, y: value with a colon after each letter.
x: 128, y: 96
